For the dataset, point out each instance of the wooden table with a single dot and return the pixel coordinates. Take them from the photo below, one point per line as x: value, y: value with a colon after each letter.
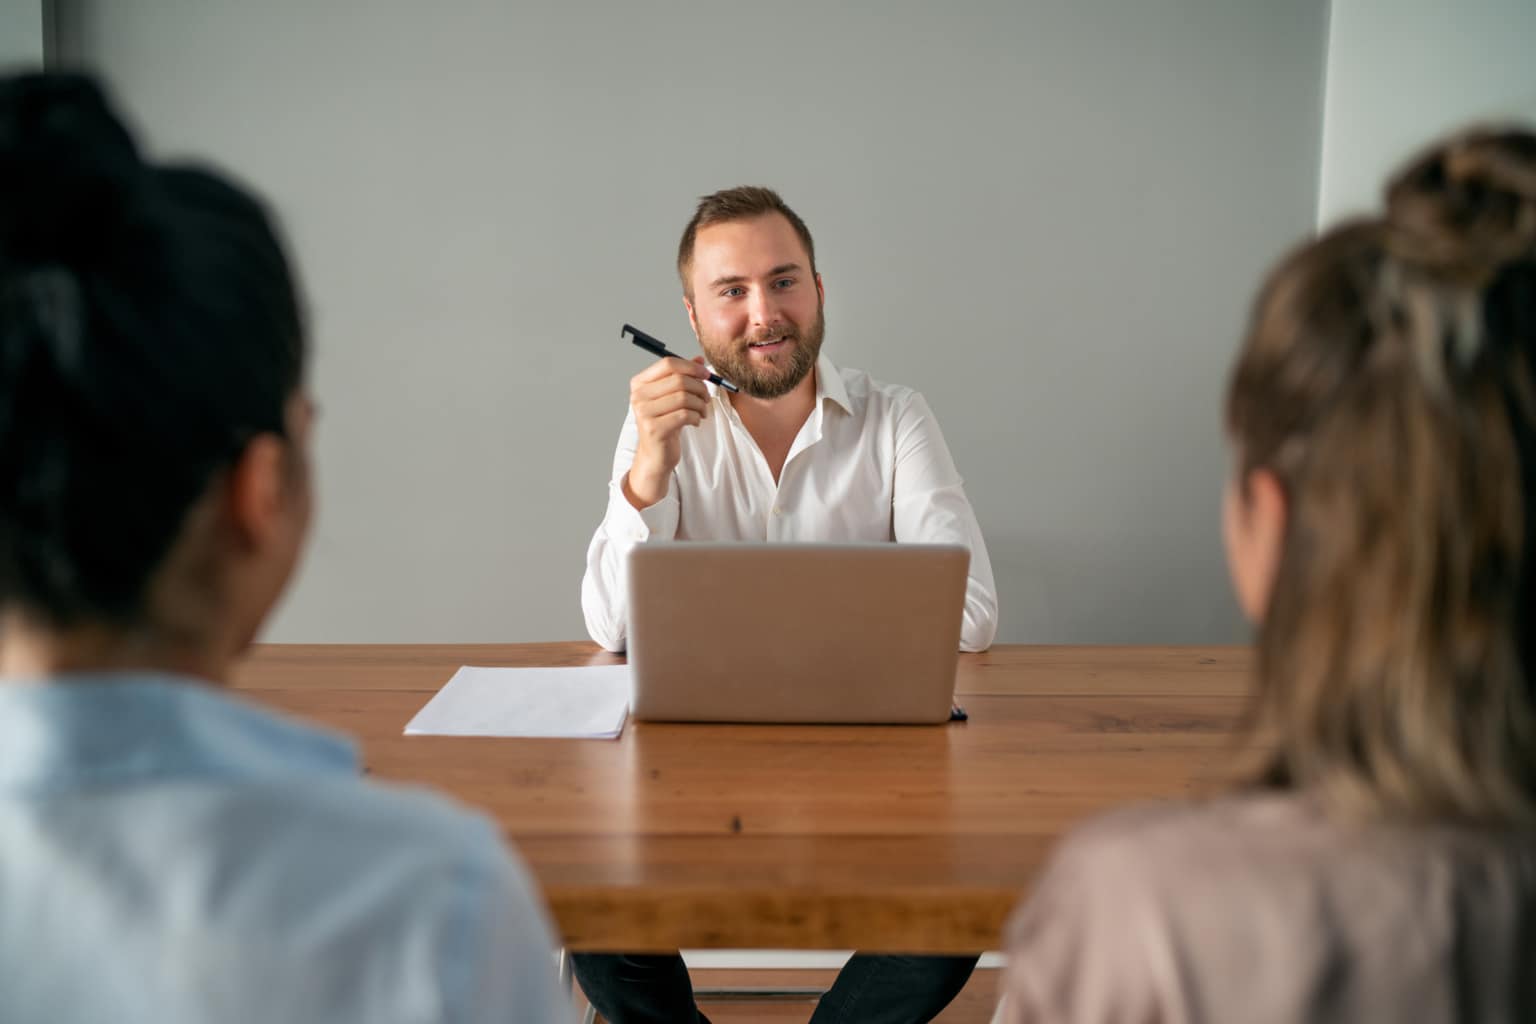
x: 899, y: 839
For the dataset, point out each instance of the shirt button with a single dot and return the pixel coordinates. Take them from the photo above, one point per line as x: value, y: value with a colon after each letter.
x: 777, y: 511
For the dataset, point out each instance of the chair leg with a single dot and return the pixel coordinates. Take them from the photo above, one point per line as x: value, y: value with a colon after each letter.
x: 568, y: 982
x: 563, y: 965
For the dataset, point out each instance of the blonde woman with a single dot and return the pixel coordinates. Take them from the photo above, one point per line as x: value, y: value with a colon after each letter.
x: 1381, y: 533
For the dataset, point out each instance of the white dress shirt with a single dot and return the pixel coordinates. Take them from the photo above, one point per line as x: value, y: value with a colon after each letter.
x: 169, y: 854
x: 868, y: 465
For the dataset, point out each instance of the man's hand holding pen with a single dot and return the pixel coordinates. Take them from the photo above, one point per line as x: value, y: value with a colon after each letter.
x: 667, y: 396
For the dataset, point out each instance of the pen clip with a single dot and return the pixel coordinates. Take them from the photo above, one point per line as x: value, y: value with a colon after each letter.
x: 645, y: 341
x: 642, y: 339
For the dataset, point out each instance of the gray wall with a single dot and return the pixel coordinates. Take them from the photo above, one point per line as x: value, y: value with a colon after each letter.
x: 21, y: 33
x: 1047, y: 216
x: 1401, y: 72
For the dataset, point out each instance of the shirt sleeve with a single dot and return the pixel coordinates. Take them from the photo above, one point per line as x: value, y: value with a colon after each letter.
x: 929, y: 506
x: 605, y: 586
x: 503, y: 967
x: 1077, y: 948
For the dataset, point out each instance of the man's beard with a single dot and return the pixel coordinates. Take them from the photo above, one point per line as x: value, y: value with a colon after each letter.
x: 733, y: 361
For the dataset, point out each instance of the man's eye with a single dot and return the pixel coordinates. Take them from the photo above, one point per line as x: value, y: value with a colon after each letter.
x: 784, y: 282
x: 731, y: 293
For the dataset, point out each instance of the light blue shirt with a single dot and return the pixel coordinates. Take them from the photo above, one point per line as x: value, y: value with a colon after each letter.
x: 171, y: 855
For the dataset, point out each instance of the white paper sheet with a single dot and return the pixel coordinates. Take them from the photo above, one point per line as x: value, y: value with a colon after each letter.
x: 588, y: 702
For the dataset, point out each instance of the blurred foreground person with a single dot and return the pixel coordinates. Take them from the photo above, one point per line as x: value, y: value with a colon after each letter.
x: 167, y: 853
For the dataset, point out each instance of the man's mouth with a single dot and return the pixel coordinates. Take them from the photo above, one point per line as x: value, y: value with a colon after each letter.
x: 768, y: 345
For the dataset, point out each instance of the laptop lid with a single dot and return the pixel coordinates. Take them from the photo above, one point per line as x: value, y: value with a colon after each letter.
x: 753, y: 632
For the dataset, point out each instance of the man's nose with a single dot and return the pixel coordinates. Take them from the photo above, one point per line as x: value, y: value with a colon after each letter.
x: 764, y: 307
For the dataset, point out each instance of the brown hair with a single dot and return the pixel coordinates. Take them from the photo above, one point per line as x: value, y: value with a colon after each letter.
x: 740, y: 203
x: 1387, y: 382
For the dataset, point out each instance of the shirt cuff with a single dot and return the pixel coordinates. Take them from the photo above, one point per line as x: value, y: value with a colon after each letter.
x: 626, y: 524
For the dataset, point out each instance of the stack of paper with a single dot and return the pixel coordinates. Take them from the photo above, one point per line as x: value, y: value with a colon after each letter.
x: 590, y: 702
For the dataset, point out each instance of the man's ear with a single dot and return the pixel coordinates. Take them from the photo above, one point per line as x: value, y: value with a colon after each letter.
x: 693, y: 321
x: 821, y: 291
x: 255, y: 495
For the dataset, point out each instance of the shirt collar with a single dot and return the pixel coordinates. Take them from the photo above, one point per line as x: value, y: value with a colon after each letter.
x: 128, y: 728
x: 829, y: 384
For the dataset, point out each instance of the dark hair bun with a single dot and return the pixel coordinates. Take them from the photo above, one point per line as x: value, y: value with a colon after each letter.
x: 69, y: 171
x: 1467, y: 208
x: 149, y: 327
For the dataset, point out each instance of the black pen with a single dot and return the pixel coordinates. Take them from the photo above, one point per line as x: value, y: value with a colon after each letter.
x: 654, y: 346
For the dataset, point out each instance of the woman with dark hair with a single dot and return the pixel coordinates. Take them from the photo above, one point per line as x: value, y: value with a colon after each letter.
x: 1381, y: 530
x: 167, y: 853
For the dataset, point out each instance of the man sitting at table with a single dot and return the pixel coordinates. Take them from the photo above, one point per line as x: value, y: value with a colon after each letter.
x: 805, y: 451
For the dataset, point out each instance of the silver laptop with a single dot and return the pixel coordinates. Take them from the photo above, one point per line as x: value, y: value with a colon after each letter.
x: 864, y: 633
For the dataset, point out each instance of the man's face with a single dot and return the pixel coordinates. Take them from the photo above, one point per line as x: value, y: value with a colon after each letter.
x: 756, y: 306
